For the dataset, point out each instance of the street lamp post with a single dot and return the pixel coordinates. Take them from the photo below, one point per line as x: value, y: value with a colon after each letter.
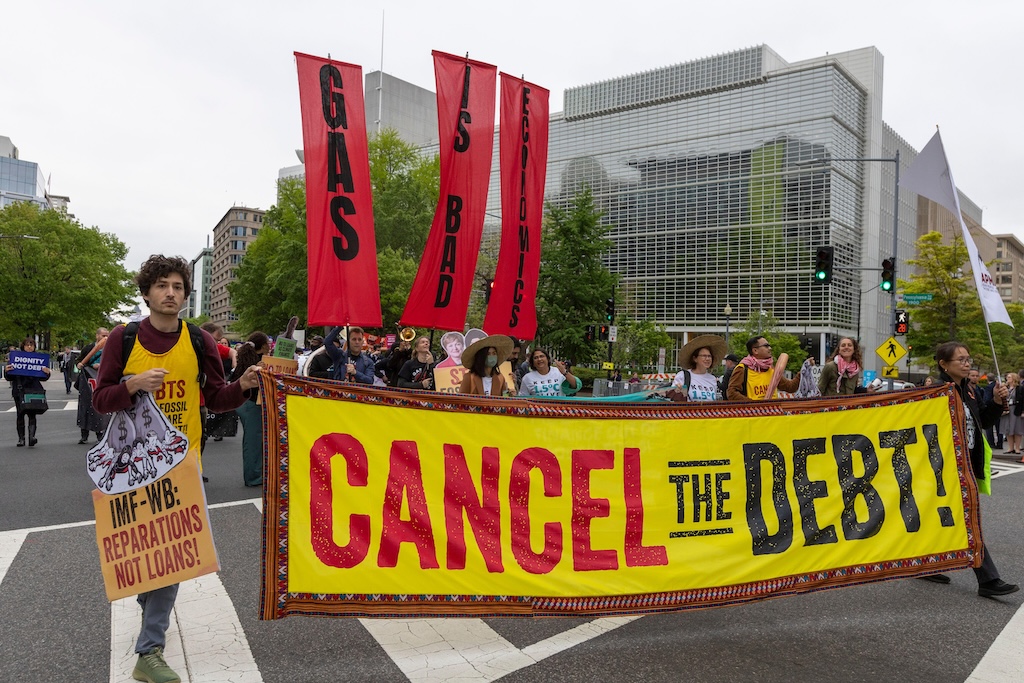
x: 728, y: 314
x: 895, y: 223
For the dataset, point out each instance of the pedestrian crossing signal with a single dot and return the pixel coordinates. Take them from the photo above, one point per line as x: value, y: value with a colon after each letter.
x: 589, y: 336
x: 823, y: 258
x: 602, y: 333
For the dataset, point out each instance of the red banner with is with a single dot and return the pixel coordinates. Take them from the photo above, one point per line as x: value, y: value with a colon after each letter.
x: 465, y: 119
x: 342, y: 257
x: 523, y: 170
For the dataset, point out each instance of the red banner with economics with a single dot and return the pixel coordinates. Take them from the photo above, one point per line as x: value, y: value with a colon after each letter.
x: 388, y: 503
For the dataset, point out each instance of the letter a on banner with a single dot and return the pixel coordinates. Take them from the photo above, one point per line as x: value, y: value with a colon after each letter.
x: 465, y: 119
x: 342, y: 248
x: 524, y: 162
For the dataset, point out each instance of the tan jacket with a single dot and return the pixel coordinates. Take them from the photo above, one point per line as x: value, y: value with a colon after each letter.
x: 474, y: 384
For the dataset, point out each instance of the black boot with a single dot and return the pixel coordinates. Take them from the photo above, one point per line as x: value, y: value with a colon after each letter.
x: 85, y: 436
x: 21, y: 433
x: 32, y: 440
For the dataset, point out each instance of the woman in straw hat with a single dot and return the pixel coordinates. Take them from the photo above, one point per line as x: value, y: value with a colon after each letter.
x: 697, y: 358
x: 482, y: 359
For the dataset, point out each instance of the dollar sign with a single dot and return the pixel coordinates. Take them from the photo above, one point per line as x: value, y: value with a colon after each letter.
x: 146, y: 416
x: 121, y: 429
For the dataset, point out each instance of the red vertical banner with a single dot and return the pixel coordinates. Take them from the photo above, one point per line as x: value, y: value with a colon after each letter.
x: 342, y: 259
x: 523, y: 170
x: 465, y: 120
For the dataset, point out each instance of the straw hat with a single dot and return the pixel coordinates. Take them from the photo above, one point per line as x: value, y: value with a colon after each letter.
x: 501, y: 342
x: 712, y: 341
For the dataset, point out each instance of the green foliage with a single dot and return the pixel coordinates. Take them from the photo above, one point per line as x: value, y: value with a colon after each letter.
x: 405, y: 190
x: 66, y: 283
x: 638, y: 343
x: 397, y: 272
x: 573, y: 282
x: 764, y: 324
x: 954, y: 313
x: 271, y: 284
x: 588, y: 375
x: 198, y: 320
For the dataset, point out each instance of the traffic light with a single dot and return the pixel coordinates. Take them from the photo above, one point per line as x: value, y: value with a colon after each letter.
x: 589, y: 336
x: 602, y: 333
x: 823, y: 258
x: 488, y: 288
x: 609, y: 309
x: 888, y: 273
x: 902, y: 322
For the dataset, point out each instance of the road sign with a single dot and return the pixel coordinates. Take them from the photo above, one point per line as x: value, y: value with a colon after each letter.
x: 891, y: 351
x: 613, y: 333
x: 607, y: 366
x: 916, y: 298
x: 890, y: 372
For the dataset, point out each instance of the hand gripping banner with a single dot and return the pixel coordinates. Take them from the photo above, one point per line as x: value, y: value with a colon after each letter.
x: 524, y: 162
x: 342, y: 250
x: 399, y: 503
x: 465, y: 119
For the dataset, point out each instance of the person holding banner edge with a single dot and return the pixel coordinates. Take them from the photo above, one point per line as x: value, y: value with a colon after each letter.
x: 163, y: 354
x: 954, y: 361
x: 752, y: 375
x: 21, y: 385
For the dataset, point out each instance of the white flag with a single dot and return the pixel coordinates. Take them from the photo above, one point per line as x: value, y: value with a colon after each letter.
x: 930, y: 176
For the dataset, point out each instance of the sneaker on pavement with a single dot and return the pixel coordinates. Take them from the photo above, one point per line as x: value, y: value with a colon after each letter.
x: 151, y: 667
x: 935, y: 578
x: 997, y: 587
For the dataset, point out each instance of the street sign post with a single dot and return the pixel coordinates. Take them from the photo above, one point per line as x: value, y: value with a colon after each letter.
x: 916, y: 298
x: 890, y: 372
x: 891, y: 351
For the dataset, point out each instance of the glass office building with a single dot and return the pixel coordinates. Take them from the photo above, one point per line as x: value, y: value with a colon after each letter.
x: 715, y: 178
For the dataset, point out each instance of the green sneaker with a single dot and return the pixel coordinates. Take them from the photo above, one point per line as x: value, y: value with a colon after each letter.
x: 152, y: 668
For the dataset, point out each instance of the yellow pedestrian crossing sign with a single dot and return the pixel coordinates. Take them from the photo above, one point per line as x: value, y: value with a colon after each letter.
x: 890, y: 372
x: 891, y: 351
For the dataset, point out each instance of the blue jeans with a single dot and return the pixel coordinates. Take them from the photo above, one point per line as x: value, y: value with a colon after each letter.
x: 251, y: 416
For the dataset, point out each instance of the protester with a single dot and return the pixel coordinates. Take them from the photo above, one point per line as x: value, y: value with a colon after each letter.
x: 954, y: 361
x: 67, y: 367
x: 993, y: 432
x: 730, y: 362
x: 841, y: 375
x: 397, y: 356
x: 250, y: 413
x: 163, y: 353
x: 88, y: 418
x: 752, y: 375
x: 216, y: 426
x: 545, y: 380
x: 697, y: 357
x: 807, y: 388
x: 319, y: 363
x: 482, y: 358
x: 1011, y: 425
x: 350, y: 364
x: 417, y: 373
x: 634, y: 378
x: 21, y: 385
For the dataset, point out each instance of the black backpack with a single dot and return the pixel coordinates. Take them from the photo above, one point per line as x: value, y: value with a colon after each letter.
x: 131, y: 333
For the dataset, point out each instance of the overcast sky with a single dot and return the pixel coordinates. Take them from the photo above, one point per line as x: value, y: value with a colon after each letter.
x: 156, y: 117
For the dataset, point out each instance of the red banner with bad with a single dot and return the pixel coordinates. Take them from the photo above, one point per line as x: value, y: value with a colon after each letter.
x: 523, y: 170
x: 465, y: 120
x: 342, y: 261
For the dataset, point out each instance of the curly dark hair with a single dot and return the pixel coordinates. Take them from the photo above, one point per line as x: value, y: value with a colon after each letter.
x: 158, y: 266
x: 247, y: 355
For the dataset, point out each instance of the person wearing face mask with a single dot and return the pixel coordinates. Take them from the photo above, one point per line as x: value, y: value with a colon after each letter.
x: 841, y: 375
x: 482, y: 359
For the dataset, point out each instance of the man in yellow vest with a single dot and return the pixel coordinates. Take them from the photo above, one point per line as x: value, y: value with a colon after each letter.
x: 750, y: 378
x: 163, y: 361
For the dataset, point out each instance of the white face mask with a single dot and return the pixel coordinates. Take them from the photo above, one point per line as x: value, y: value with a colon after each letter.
x: 491, y: 361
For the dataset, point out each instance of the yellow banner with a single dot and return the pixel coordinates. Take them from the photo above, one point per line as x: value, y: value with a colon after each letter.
x: 156, y: 535
x: 387, y: 502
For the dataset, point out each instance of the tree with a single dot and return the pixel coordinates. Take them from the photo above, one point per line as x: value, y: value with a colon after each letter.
x: 638, y: 343
x: 573, y: 284
x: 66, y: 283
x: 405, y: 190
x: 271, y: 284
x: 397, y: 271
x: 763, y: 324
x: 954, y: 312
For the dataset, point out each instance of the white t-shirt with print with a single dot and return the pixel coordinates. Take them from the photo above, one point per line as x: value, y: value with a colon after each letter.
x: 702, y: 387
x: 536, y: 384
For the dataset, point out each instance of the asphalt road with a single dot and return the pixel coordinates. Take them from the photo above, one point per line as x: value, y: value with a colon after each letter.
x: 56, y: 623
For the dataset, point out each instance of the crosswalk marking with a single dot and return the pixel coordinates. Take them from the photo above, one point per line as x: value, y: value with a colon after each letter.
x: 71, y: 404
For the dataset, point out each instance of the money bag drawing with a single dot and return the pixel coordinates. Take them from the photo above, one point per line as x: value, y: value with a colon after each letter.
x: 139, y: 447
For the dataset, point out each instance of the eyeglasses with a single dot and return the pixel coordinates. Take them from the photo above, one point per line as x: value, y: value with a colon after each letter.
x: 766, y: 345
x: 966, y: 360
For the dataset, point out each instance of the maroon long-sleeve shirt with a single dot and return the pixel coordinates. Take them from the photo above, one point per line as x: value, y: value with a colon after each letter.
x: 111, y: 393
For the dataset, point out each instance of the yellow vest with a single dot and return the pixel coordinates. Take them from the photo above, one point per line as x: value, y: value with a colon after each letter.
x: 178, y: 398
x: 757, y: 384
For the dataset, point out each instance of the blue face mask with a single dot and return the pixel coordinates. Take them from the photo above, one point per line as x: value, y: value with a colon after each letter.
x: 491, y: 361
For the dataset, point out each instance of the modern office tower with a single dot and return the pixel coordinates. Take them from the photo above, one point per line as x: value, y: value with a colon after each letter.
x: 231, y: 237
x: 202, y: 274
x: 20, y: 180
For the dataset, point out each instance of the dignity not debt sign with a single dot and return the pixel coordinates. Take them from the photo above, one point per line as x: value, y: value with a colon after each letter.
x: 383, y: 503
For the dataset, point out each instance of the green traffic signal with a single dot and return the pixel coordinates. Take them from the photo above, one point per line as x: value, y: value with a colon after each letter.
x: 888, y: 274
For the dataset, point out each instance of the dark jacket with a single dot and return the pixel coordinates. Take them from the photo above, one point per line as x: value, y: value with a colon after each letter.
x: 984, y: 415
